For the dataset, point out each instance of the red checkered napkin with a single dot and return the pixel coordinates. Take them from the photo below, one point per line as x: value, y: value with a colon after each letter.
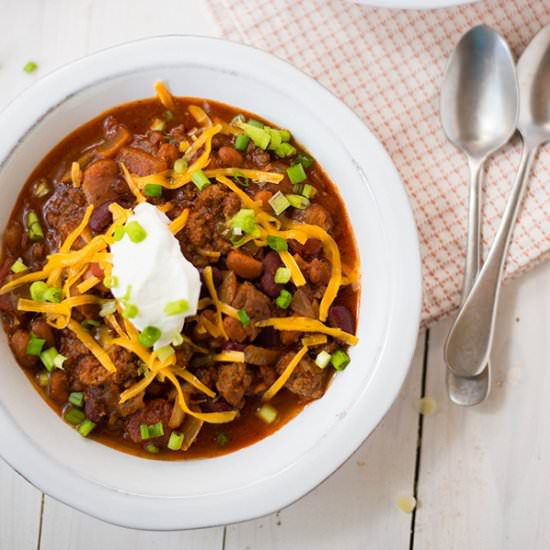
x: 388, y: 66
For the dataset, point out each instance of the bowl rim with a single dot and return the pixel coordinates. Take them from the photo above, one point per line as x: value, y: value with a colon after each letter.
x: 411, y: 5
x: 129, y: 510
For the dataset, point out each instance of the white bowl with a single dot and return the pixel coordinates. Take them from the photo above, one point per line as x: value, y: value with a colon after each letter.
x: 264, y: 477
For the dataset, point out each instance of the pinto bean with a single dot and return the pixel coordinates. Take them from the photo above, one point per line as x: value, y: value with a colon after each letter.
x: 243, y: 265
x: 230, y: 156
x: 169, y: 153
x: 18, y: 342
x: 58, y: 387
x: 43, y: 330
x: 341, y: 317
x: 263, y: 197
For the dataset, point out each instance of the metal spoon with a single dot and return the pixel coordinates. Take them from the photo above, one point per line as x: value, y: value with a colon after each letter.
x: 479, y: 106
x: 469, y: 342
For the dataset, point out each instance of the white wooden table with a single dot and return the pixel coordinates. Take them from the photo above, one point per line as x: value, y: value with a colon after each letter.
x: 481, y: 476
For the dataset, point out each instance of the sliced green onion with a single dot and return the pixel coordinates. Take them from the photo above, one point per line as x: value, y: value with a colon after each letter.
x: 53, y: 295
x: 41, y: 188
x: 176, y: 308
x: 222, y: 439
x: 284, y: 299
x: 30, y: 67
x: 168, y: 115
x: 35, y: 345
x: 241, y: 142
x: 156, y: 430
x: 153, y: 449
x: 118, y: 233
x: 158, y: 125
x: 296, y: 173
x: 282, y: 275
x: 236, y: 119
x: 245, y: 220
x: 110, y: 281
x: 76, y: 398
x: 135, y: 231
x: 243, y: 316
x: 58, y: 361
x: 267, y: 414
x: 279, y: 203
x: 176, y: 441
x: 148, y: 336
x: 304, y: 160
x: 18, y: 266
x: 275, y: 138
x: 240, y: 178
x: 164, y: 352
x: 107, y: 308
x: 178, y: 340
x: 90, y: 323
x: 34, y: 229
x: 277, y: 243
x: 200, y: 180
x: 152, y: 190
x: 256, y: 123
x: 144, y: 432
x: 37, y: 290
x: 309, y: 191
x: 75, y: 416
x: 285, y: 150
x: 322, y: 359
x: 86, y: 427
x: 340, y: 360
x: 258, y: 135
x: 43, y: 379
x: 180, y: 166
x: 285, y: 135
x: 47, y: 357
x: 298, y: 188
x: 130, y: 311
x: 298, y: 201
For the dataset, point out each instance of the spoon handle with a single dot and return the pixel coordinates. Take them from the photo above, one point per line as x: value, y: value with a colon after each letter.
x: 469, y: 341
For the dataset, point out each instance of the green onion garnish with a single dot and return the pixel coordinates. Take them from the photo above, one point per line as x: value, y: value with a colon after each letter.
x: 200, y: 180
x: 156, y: 430
x: 118, y: 233
x: 176, y: 308
x: 168, y: 115
x: 178, y: 340
x: 30, y: 67
x: 164, y: 352
x: 41, y: 189
x: 222, y: 439
x: 37, y: 290
x: 158, y: 125
x: 180, y: 166
x: 34, y: 229
x: 304, y: 160
x: 90, y: 323
x: 279, y: 203
x: 148, y: 336
x: 75, y: 416
x: 240, y: 178
x: 86, y: 427
x: 152, y: 190
x: 35, y: 345
x: 107, y: 308
x: 130, y: 311
x: 339, y: 360
x: 110, y: 281
x: 43, y: 379
x: 18, y: 266
x: 322, y: 359
x: 150, y: 448
x: 236, y: 119
x: 244, y: 221
x: 176, y: 441
x: 277, y: 243
x: 285, y: 135
x: 58, y: 361
x: 284, y: 299
x: 76, y: 398
x: 135, y: 231
x: 309, y: 191
x: 298, y: 201
x: 282, y: 275
x: 53, y: 295
x: 144, y: 432
x: 256, y: 123
x: 267, y: 413
x: 275, y: 138
x: 243, y: 316
x: 241, y: 142
x: 296, y: 173
x: 47, y: 357
x: 285, y: 150
x: 257, y: 134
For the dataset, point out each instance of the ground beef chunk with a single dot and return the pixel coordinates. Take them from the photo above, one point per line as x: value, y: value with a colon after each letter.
x: 71, y: 347
x: 18, y: 343
x: 233, y: 381
x: 63, y: 211
x: 58, y: 386
x: 264, y: 377
x: 256, y: 157
x: 208, y: 218
x: 91, y: 372
x: 207, y: 375
x: 228, y: 289
x: 289, y: 337
x: 168, y: 152
x: 307, y: 380
x: 315, y: 214
x: 156, y: 410
x: 131, y: 406
x: 42, y: 330
x: 253, y: 301
x: 101, y: 182
x: 317, y: 271
x: 235, y: 330
x: 101, y: 401
x: 126, y: 368
x: 139, y: 162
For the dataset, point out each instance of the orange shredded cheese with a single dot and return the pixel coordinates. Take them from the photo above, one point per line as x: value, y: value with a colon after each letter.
x: 76, y: 174
x: 314, y: 340
x: 164, y: 95
x: 132, y: 184
x: 209, y: 280
x: 285, y: 375
x: 200, y: 116
x: 190, y: 378
x: 97, y: 351
x: 177, y: 224
x: 297, y: 277
x: 136, y: 389
x: 229, y: 357
x: 87, y: 284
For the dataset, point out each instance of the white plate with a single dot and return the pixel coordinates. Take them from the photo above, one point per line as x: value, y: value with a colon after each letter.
x: 413, y: 4
x: 264, y: 477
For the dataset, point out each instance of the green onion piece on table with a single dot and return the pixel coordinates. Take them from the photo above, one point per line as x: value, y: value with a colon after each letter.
x: 30, y: 67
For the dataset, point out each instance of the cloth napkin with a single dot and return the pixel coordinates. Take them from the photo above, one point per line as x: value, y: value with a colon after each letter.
x: 388, y: 66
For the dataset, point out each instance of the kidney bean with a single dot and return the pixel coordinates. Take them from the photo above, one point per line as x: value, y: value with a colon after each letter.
x: 101, y: 218
x: 341, y: 317
x: 271, y: 263
x: 233, y: 346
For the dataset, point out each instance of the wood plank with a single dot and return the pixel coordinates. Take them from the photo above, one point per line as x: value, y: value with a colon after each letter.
x: 64, y: 527
x: 356, y: 507
x: 20, y: 507
x: 484, y: 478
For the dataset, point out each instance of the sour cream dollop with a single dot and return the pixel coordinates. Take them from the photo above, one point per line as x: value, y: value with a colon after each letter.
x: 154, y: 276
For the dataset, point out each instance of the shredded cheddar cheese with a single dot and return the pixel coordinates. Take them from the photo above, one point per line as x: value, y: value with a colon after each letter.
x: 97, y: 351
x: 200, y: 116
x: 285, y: 375
x: 132, y: 184
x: 190, y: 378
x: 177, y: 224
x: 229, y: 357
x: 76, y: 174
x: 297, y: 277
x: 164, y: 95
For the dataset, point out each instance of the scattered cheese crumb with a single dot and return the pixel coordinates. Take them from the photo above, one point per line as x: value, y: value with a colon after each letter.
x: 406, y: 504
x: 427, y: 406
